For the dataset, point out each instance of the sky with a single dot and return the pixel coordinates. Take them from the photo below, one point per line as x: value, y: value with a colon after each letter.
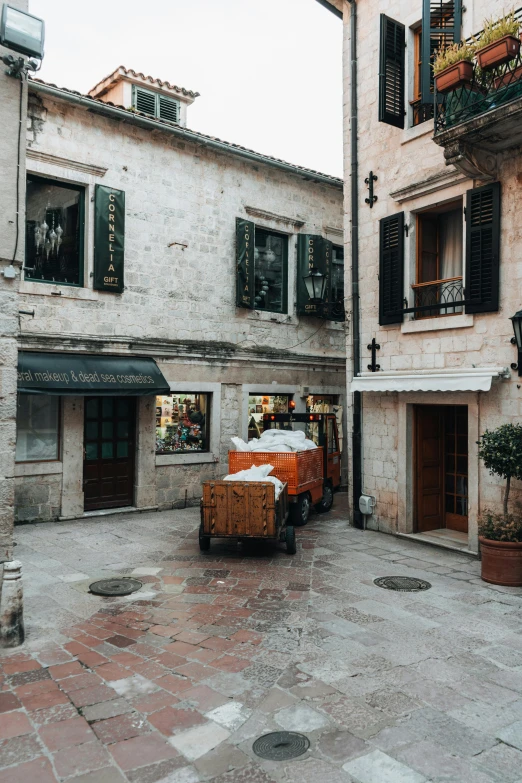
x: 269, y: 71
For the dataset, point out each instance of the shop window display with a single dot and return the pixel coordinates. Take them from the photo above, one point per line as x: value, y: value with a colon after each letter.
x: 37, y: 426
x: 263, y: 403
x: 182, y: 423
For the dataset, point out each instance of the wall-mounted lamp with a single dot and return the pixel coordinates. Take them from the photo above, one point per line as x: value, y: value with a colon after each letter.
x: 315, y: 283
x: 517, y: 340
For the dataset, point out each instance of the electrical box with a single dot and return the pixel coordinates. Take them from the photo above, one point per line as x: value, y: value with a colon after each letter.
x: 366, y: 504
x: 304, y: 391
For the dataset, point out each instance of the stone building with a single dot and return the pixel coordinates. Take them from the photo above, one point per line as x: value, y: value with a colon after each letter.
x: 164, y: 298
x: 439, y: 275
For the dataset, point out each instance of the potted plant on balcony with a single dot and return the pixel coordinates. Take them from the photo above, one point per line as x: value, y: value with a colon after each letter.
x: 500, y: 534
x: 453, y: 66
x: 499, y: 42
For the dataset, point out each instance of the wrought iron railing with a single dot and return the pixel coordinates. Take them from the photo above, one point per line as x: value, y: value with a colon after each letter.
x: 422, y: 112
x: 440, y: 297
x: 487, y: 90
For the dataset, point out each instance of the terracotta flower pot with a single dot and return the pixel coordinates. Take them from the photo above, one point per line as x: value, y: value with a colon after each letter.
x: 498, y: 52
x: 501, y: 562
x: 454, y: 76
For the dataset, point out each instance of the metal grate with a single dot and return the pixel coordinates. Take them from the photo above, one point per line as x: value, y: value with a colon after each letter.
x: 404, y: 584
x: 118, y: 586
x: 300, y: 469
x: 281, y: 745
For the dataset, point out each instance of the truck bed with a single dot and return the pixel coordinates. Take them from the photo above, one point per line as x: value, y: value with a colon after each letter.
x: 301, y: 470
x: 244, y: 509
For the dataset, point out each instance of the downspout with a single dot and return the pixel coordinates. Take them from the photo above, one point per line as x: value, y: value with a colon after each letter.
x: 356, y: 327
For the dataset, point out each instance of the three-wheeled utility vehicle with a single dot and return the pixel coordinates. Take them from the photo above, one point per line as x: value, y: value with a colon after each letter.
x: 312, y: 476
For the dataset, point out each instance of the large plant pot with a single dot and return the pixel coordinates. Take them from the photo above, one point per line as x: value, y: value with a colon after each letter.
x: 501, y: 562
x: 454, y: 76
x: 498, y: 52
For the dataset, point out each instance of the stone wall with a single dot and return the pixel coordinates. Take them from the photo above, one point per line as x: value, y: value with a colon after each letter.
x: 9, y: 126
x: 38, y: 498
x: 402, y: 158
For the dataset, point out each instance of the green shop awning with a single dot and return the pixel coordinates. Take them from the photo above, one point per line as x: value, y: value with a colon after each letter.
x: 77, y: 374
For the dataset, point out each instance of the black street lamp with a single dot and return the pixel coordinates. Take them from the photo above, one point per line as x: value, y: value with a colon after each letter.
x: 315, y: 283
x: 517, y: 339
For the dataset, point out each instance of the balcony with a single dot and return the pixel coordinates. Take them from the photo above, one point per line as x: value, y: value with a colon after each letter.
x: 440, y: 297
x: 476, y: 123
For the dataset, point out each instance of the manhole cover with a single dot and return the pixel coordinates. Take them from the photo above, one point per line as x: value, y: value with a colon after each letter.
x: 404, y: 584
x: 121, y: 586
x: 281, y: 745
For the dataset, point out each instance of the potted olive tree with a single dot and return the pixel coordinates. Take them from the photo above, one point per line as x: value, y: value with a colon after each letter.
x: 500, y: 533
x: 499, y: 41
x: 453, y: 66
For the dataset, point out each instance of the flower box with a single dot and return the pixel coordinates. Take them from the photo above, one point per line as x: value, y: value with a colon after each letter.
x: 499, y: 52
x: 454, y: 76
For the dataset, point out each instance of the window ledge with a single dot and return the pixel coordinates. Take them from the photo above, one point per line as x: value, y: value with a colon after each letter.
x: 437, y: 324
x: 38, y: 468
x: 424, y: 129
x: 56, y: 290
x: 280, y: 318
x: 185, y: 459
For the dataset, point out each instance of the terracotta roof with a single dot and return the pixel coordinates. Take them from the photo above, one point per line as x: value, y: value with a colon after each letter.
x: 138, y: 75
x: 189, y: 134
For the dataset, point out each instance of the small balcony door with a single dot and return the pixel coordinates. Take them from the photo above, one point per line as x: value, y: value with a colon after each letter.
x: 441, y: 467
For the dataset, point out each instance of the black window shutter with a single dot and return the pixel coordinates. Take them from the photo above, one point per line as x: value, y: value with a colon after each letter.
x: 145, y: 101
x: 441, y: 26
x: 483, y: 248
x: 391, y: 72
x: 391, y: 269
x: 245, y: 243
x: 168, y: 109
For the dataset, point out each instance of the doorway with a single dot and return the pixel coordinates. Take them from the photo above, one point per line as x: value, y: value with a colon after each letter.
x: 109, y: 452
x: 441, y: 468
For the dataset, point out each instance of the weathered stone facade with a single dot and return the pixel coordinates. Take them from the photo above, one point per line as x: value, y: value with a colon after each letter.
x: 178, y: 306
x: 12, y: 166
x: 412, y: 176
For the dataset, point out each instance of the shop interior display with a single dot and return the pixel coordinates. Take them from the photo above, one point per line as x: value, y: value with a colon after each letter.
x: 181, y: 423
x: 259, y: 404
x: 268, y: 264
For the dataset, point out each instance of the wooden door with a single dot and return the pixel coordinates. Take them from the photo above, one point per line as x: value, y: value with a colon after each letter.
x: 109, y: 449
x: 333, y: 468
x: 429, y: 459
x: 456, y: 467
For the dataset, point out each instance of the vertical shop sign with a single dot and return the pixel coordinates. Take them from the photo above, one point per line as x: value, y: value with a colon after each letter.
x: 245, y: 242
x: 311, y: 254
x: 109, y: 239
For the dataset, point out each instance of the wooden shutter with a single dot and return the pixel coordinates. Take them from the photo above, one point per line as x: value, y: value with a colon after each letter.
x: 245, y: 243
x: 391, y: 72
x: 145, y: 101
x: 483, y: 248
x: 441, y: 25
x: 168, y: 109
x: 391, y: 269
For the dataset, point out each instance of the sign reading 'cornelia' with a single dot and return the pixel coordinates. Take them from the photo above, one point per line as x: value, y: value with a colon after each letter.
x: 109, y: 239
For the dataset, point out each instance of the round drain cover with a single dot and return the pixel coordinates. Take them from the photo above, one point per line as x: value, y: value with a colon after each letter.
x: 404, y: 584
x: 122, y: 586
x: 281, y: 745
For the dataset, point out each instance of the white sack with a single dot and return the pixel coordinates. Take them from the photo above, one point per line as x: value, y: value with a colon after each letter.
x: 240, y: 444
x: 257, y: 473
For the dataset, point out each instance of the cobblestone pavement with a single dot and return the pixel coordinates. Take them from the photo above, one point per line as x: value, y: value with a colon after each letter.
x: 175, y: 683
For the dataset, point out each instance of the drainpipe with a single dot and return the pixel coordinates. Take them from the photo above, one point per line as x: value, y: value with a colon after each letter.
x: 356, y: 327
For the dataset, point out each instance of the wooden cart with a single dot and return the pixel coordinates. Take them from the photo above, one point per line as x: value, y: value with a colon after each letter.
x: 244, y: 510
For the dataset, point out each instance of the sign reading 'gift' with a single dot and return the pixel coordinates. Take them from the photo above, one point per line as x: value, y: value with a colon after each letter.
x: 109, y: 239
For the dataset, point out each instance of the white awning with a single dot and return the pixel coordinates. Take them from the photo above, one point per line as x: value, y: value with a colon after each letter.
x: 474, y: 379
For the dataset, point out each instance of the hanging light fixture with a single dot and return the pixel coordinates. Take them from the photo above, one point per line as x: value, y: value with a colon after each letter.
x: 315, y: 282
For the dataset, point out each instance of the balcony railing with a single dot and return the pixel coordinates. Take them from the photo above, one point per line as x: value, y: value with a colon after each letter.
x: 487, y: 90
x: 439, y: 297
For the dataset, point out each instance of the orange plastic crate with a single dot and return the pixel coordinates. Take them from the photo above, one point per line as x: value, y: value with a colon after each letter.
x: 301, y: 470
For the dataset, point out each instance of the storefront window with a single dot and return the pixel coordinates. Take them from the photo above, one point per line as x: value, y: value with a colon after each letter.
x: 263, y: 403
x: 54, y: 229
x: 37, y: 428
x: 320, y: 403
x: 182, y: 423
x: 270, y: 265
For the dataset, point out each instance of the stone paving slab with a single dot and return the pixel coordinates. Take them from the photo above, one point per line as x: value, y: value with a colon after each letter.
x: 174, y: 683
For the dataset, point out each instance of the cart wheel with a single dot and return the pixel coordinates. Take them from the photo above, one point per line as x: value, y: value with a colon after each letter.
x: 326, y: 502
x: 300, y: 511
x: 204, y: 541
x: 290, y: 540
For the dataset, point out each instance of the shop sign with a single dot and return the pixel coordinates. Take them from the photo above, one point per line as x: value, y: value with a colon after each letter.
x: 109, y: 239
x: 245, y: 241
x: 313, y: 252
